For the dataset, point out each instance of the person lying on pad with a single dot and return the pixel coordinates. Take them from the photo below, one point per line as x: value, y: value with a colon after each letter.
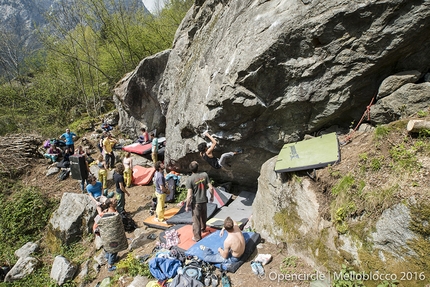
x: 234, y: 245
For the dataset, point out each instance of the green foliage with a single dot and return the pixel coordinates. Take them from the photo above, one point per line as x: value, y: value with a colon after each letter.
x: 74, y: 252
x: 85, y: 53
x: 341, y: 216
x: 181, y: 194
x: 288, y: 265
x: 381, y: 132
x: 386, y: 283
x: 40, y: 277
x: 133, y: 267
x: 404, y: 157
x: 346, y: 278
x: 422, y: 114
x: 424, y: 133
x: 23, y: 217
x: 377, y: 163
x: 364, y: 157
x: 343, y: 184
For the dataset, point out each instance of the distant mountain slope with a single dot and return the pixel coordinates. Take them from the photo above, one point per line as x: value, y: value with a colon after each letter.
x: 20, y: 18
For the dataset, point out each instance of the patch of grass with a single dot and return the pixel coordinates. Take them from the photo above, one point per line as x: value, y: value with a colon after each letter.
x: 376, y: 200
x: 343, y: 184
x: 74, y: 252
x: 404, y: 158
x: 422, y: 114
x: 381, y: 132
x: 288, y: 265
x: 23, y: 215
x: 133, y: 267
x: 363, y: 157
x: 40, y: 277
x: 377, y: 163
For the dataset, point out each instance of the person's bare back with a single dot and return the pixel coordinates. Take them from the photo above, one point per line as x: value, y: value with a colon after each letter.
x: 235, y: 242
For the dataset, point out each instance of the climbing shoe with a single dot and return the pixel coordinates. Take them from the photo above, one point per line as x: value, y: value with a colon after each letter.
x: 224, y: 280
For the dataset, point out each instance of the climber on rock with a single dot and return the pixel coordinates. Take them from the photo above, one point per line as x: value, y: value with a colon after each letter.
x: 207, y: 155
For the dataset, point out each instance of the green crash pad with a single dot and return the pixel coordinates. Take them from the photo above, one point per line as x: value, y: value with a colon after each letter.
x: 309, y: 154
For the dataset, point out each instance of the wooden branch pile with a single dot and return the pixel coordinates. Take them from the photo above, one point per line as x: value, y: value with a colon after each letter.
x: 17, y: 150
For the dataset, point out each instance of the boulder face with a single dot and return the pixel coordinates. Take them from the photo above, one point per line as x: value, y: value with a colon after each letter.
x: 136, y: 96
x: 259, y: 74
x: 288, y: 210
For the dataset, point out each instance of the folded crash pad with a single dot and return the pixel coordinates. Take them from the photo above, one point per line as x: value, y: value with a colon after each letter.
x: 185, y: 233
x: 240, y: 210
x: 221, y: 197
x: 142, y: 175
x: 183, y: 217
x: 309, y: 154
x: 142, y: 149
x: 150, y: 221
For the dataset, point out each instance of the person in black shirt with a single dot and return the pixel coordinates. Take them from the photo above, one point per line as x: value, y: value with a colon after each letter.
x: 207, y: 155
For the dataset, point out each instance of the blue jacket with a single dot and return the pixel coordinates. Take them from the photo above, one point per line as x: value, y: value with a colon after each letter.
x: 164, y: 268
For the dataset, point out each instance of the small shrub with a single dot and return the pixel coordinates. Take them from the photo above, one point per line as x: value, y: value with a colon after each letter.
x: 181, y: 193
x: 23, y: 217
x: 377, y: 163
x: 346, y: 278
x: 422, y: 114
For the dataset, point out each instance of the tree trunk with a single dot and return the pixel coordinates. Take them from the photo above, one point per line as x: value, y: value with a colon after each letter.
x: 415, y: 126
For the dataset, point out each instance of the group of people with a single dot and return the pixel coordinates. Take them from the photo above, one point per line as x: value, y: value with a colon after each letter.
x: 197, y: 184
x: 54, y: 152
x: 234, y: 244
x: 146, y: 138
x: 196, y: 202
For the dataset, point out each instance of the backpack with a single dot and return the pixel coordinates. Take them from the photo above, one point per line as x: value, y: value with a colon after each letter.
x: 185, y: 281
x: 129, y: 223
x: 193, y: 271
x: 63, y: 174
x: 172, y: 188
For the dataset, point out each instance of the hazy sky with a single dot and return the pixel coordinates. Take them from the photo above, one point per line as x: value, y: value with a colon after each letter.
x: 153, y: 5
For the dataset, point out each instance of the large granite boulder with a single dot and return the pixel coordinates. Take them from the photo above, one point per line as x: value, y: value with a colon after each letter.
x: 290, y: 210
x: 259, y: 74
x: 73, y: 219
x: 406, y: 101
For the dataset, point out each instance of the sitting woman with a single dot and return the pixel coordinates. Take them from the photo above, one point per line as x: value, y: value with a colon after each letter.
x: 53, y: 153
x: 95, y: 191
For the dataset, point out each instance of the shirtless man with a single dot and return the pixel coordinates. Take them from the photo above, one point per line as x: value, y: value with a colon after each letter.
x: 234, y: 245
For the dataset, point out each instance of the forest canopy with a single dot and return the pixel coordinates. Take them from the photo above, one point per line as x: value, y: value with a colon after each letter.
x: 86, y: 48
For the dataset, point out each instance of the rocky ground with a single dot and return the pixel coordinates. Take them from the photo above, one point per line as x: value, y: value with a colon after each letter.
x: 138, y: 205
x: 352, y: 152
